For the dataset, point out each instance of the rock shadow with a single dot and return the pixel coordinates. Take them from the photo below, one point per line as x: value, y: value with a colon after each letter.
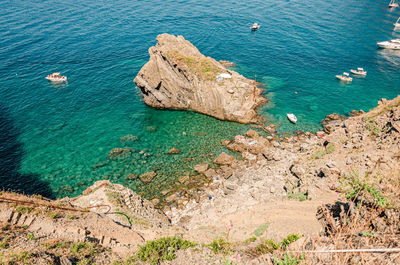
x: 11, y: 151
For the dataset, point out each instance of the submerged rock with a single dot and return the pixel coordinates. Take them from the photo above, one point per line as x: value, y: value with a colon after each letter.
x: 201, y: 168
x: 178, y: 76
x: 148, y: 176
x: 173, y: 151
x: 119, y: 153
x: 129, y: 138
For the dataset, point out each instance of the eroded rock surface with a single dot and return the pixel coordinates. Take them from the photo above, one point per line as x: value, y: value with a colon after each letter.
x: 178, y: 76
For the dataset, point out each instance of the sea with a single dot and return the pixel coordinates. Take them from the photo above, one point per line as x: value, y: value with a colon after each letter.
x: 55, y: 138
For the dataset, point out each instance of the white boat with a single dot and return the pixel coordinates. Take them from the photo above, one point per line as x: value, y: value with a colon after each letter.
x: 359, y: 71
x: 391, y: 44
x: 56, y: 77
x: 255, y: 26
x: 292, y: 117
x: 344, y: 77
x: 393, y: 4
x: 397, y: 24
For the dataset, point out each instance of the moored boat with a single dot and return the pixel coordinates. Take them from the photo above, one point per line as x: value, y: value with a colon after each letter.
x: 397, y: 24
x: 359, y: 71
x: 292, y: 118
x: 255, y: 27
x: 391, y: 44
x: 344, y: 77
x: 56, y: 77
x: 393, y: 4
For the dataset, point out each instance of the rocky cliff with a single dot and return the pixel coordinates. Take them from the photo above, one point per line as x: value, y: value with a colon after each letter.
x: 178, y: 76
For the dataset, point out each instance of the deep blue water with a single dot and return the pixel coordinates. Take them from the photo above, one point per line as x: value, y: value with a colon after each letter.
x: 51, y: 136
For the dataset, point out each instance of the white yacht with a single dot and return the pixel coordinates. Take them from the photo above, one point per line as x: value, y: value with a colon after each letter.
x: 255, y: 27
x: 397, y: 24
x: 393, y: 4
x: 56, y: 77
x: 359, y: 71
x: 292, y: 118
x: 344, y: 77
x: 391, y: 44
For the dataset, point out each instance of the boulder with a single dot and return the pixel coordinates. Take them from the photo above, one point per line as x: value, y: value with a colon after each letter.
x: 131, y: 177
x: 252, y: 134
x: 210, y: 173
x: 241, y: 144
x: 170, y: 198
x: 297, y: 170
x: 183, y: 179
x: 224, y: 159
x: 155, y: 201
x: 148, y: 176
x: 173, y: 151
x: 248, y: 156
x: 119, y: 153
x: 129, y: 138
x: 229, y: 189
x: 226, y: 63
x: 201, y: 168
x: 178, y: 76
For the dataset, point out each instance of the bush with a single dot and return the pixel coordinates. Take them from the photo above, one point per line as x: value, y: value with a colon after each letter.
x: 288, y: 260
x: 220, y: 246
x: 156, y: 251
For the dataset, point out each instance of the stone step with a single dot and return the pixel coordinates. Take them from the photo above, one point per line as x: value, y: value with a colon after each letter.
x: 29, y: 220
x: 22, y: 220
x: 16, y: 218
x: 10, y: 217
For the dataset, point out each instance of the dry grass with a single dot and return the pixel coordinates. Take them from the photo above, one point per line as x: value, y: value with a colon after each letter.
x: 203, y: 67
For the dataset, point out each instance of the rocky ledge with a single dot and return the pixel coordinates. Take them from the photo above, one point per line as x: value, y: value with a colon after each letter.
x: 178, y: 76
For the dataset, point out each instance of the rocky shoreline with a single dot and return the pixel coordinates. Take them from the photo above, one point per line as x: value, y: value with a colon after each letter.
x: 300, y: 184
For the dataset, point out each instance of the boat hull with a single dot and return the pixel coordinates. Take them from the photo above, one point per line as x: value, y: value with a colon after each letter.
x: 388, y: 45
x: 292, y: 118
x: 56, y: 79
x: 345, y: 79
x: 355, y: 72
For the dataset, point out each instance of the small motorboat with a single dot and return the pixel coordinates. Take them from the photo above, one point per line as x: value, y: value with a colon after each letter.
x: 397, y: 24
x: 56, y: 77
x: 391, y: 44
x: 344, y: 77
x: 255, y: 27
x: 393, y: 4
x: 292, y: 118
x: 359, y: 71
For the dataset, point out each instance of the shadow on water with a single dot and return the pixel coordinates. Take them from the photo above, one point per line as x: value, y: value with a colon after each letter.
x: 11, y: 151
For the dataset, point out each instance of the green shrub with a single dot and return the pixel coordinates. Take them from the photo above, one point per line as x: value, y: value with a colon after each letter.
x: 289, y: 240
x: 251, y: 239
x: 353, y: 186
x: 261, y: 229
x: 322, y: 152
x: 31, y: 236
x: 373, y: 128
x: 267, y: 247
x: 288, y: 260
x: 4, y: 244
x: 23, y: 209
x: 270, y: 245
x: 156, y: 251
x: 299, y: 196
x: 220, y: 246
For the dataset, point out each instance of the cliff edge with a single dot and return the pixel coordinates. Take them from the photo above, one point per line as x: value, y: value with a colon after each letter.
x: 178, y: 76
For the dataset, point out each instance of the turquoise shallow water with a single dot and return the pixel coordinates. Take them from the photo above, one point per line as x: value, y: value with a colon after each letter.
x: 52, y: 136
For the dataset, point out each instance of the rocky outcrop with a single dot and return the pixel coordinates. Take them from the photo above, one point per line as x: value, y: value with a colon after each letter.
x: 178, y: 76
